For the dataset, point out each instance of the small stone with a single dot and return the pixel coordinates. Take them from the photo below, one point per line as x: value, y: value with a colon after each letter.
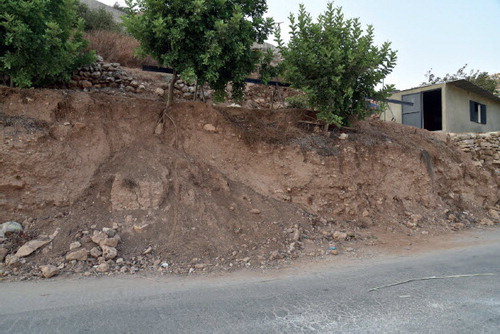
x: 333, y: 252
x: 200, y: 266
x: 484, y: 221
x: 109, y: 252
x: 10, y: 227
x: 111, y: 242
x: 209, y: 128
x: 494, y: 214
x: 337, y: 235
x: 159, y: 92
x: 130, y: 89
x: 109, y: 231
x: 119, y: 261
x: 134, y: 83
x: 103, y: 267
x: 85, y: 84
x: 139, y: 228
x: 79, y: 255
x: 457, y: 226
x: 11, y: 260
x: 49, y: 271
x: 343, y: 136
x: 98, y: 237
x: 255, y: 211
x: 95, y: 252
x: 349, y: 249
x: 75, y: 245
x: 3, y: 253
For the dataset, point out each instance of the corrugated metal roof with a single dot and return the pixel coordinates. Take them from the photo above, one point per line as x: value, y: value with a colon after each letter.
x: 462, y: 83
x: 467, y: 85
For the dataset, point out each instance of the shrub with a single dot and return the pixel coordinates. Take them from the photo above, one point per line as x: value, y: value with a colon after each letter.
x: 41, y: 41
x: 336, y: 64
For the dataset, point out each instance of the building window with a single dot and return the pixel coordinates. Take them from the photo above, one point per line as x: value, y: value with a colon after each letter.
x: 477, y: 112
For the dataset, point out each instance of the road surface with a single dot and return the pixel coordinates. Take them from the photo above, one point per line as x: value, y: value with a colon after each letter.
x: 326, y: 299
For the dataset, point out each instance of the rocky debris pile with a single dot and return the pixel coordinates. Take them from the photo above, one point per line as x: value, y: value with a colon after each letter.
x: 483, y: 147
x: 102, y: 75
x: 95, y: 252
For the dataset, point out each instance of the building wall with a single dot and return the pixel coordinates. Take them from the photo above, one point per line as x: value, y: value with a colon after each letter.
x: 397, y: 109
x: 456, y: 112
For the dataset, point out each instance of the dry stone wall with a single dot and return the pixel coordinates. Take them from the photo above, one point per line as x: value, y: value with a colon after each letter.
x: 111, y: 75
x: 484, y: 148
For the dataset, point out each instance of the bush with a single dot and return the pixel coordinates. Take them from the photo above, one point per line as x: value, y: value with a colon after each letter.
x: 96, y: 19
x: 117, y: 48
x: 41, y: 41
x: 336, y: 64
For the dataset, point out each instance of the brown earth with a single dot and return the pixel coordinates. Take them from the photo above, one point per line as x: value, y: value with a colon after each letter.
x: 223, y: 187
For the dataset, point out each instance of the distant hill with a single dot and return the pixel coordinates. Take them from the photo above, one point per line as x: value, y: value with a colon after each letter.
x: 94, y: 4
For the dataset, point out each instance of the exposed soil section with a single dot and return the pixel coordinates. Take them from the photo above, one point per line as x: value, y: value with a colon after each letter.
x: 223, y: 187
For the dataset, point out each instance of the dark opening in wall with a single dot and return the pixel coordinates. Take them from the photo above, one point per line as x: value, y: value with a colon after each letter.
x: 433, y: 110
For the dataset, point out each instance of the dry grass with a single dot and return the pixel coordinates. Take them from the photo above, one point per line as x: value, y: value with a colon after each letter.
x: 116, y: 48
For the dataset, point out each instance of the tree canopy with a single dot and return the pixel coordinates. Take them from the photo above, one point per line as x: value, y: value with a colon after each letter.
x: 481, y: 79
x: 335, y: 63
x: 210, y: 40
x: 40, y: 41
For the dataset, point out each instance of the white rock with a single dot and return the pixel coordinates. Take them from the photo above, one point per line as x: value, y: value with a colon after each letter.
x: 75, y: 245
x: 343, y: 136
x: 159, y: 91
x: 10, y: 227
x: 209, y: 128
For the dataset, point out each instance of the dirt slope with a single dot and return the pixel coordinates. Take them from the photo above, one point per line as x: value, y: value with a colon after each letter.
x: 223, y: 187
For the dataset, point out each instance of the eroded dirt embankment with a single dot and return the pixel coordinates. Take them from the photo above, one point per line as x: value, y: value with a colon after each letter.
x: 222, y: 187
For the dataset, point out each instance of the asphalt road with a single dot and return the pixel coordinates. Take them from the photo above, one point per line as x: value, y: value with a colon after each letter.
x: 326, y: 299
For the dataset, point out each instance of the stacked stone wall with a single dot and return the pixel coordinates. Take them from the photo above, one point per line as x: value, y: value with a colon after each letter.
x: 483, y: 147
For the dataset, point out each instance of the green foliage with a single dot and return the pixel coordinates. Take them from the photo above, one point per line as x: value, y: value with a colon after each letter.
x: 96, y: 19
x: 481, y: 79
x: 335, y: 63
x: 267, y: 70
x: 297, y: 102
x: 40, y: 41
x: 210, y: 38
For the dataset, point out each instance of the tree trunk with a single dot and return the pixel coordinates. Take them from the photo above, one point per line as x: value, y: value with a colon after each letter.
x: 170, y: 99
x: 160, y: 126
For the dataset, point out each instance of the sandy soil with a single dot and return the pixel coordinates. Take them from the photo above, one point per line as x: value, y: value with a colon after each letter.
x: 222, y: 188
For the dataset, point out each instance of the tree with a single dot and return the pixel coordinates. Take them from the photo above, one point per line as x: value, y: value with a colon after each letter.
x: 481, y: 79
x: 209, y: 40
x: 40, y: 41
x: 335, y: 63
x: 96, y: 19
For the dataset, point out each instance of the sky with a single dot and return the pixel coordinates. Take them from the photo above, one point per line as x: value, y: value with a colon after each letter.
x: 442, y: 35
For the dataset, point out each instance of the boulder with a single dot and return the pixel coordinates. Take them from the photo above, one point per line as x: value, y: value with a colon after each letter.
x: 109, y: 252
x: 31, y: 246
x: 49, y: 271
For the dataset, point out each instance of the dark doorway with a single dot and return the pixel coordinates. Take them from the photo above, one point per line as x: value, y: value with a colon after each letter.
x: 433, y: 110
